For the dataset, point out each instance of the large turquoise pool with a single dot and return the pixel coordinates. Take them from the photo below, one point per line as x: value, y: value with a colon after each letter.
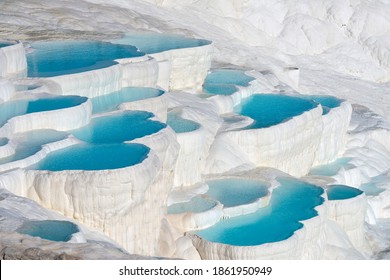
x: 54, y: 58
x: 60, y: 231
x: 110, y: 102
x: 233, y: 191
x: 120, y: 127
x: 15, y: 108
x: 291, y: 202
x: 270, y: 109
x: 94, y: 157
x: 154, y: 42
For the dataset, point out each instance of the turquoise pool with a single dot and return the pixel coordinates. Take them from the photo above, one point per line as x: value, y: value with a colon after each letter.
x: 195, y: 205
x: 154, y: 42
x: 180, y: 125
x: 94, y: 157
x: 332, y: 168
x: 2, y: 45
x: 60, y: 231
x: 291, y: 202
x: 15, y: 108
x: 233, y: 191
x: 327, y: 102
x: 54, y: 58
x: 3, y: 141
x: 270, y: 109
x: 340, y: 192
x: 120, y: 127
x: 110, y: 102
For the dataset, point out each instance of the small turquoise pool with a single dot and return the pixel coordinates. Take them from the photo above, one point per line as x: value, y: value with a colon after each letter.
x: 219, y: 89
x: 60, y: 231
x: 291, y: 202
x: 32, y: 143
x: 229, y: 77
x: 195, y: 205
x: 54, y: 58
x: 3, y: 141
x: 94, y: 157
x: 12, y: 109
x: 340, y: 192
x: 117, y: 128
x: 154, y: 42
x: 270, y: 109
x: 180, y: 125
x: 371, y: 189
x: 110, y: 102
x: 2, y: 45
x: 233, y: 192
x: 332, y: 168
x: 25, y: 87
x: 327, y: 102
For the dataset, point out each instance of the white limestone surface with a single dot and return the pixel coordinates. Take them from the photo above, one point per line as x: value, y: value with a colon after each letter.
x: 61, y: 119
x: 280, y: 146
x: 187, y: 67
x: 7, y: 89
x: 157, y: 105
x: 13, y: 61
x: 350, y: 214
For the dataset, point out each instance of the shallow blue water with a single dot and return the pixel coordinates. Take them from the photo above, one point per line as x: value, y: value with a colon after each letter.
x: 12, y: 109
x: 327, y: 102
x: 340, y: 192
x: 180, y: 125
x: 54, y: 58
x: 154, y: 42
x: 233, y: 192
x: 32, y: 143
x: 371, y: 189
x: 290, y: 203
x: 53, y: 230
x: 94, y: 157
x: 195, y: 205
x: 2, y: 45
x: 3, y: 141
x: 271, y: 109
x: 219, y: 89
x: 117, y: 128
x: 25, y: 87
x: 110, y: 102
x: 330, y: 169
x: 228, y: 76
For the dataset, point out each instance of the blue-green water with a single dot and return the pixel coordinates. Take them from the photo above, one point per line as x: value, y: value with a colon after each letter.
x: 3, y: 141
x: 180, y: 125
x: 117, y: 128
x: 223, y: 81
x: 25, y: 87
x: 195, y: 205
x: 154, y: 42
x: 340, y: 192
x: 32, y: 143
x: 270, y: 109
x: 233, y: 192
x: 229, y: 77
x: 219, y: 89
x: 110, y: 102
x: 94, y: 157
x: 54, y: 58
x: 290, y: 203
x: 332, y: 168
x: 12, y: 109
x: 2, y: 45
x: 53, y: 230
x: 327, y: 102
x: 371, y: 189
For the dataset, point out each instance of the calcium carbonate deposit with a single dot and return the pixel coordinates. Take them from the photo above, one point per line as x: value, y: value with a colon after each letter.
x: 195, y: 129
